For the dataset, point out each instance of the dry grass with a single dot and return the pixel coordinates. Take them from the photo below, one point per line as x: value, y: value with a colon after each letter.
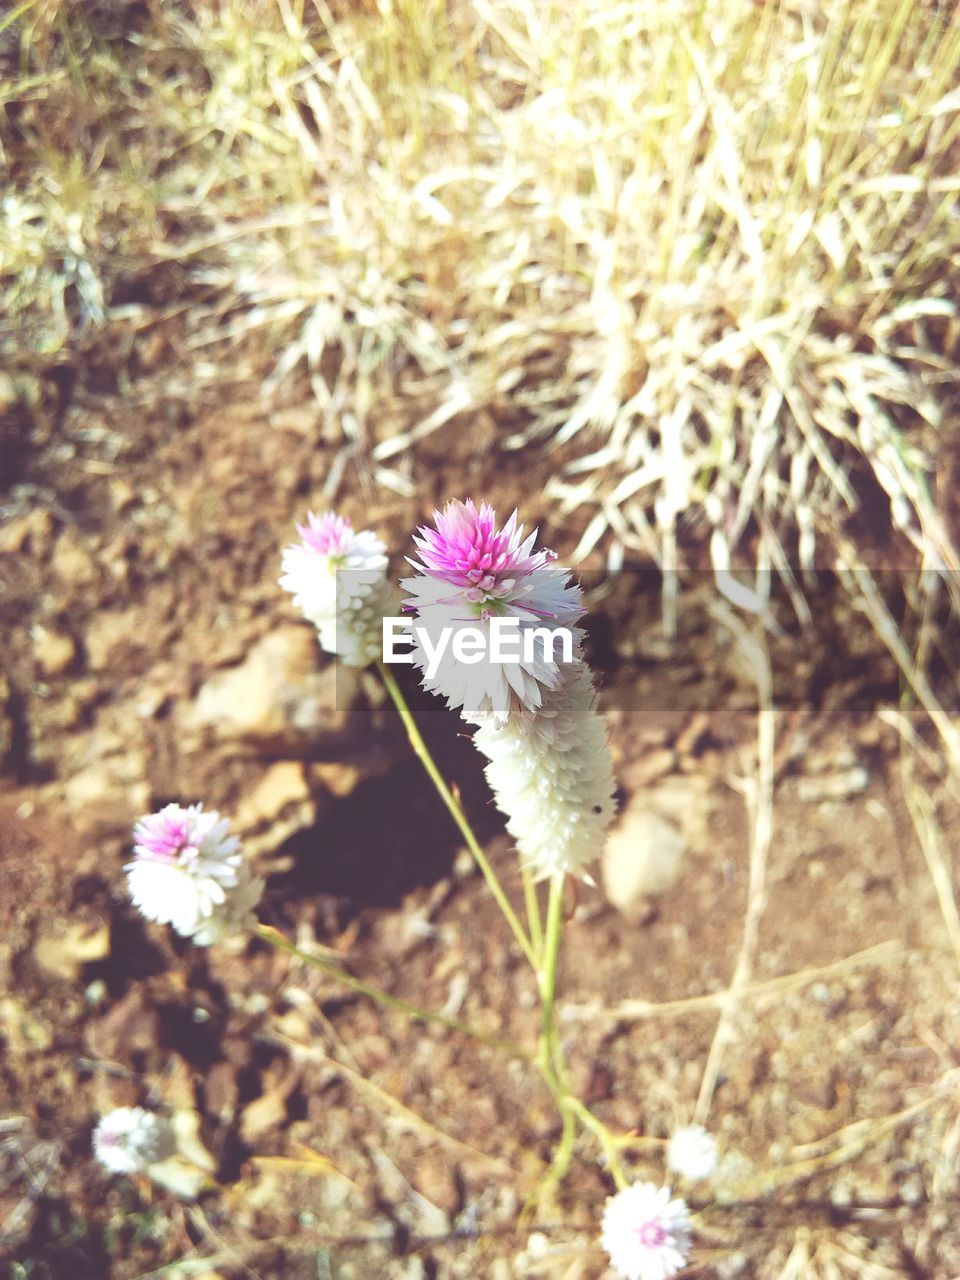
x: 711, y: 248
x: 712, y: 244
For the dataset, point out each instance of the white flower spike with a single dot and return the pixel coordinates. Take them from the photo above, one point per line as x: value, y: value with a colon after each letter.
x: 552, y: 775
x: 236, y: 915
x: 646, y: 1233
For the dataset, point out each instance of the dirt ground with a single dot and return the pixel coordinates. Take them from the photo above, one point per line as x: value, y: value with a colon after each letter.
x: 149, y: 655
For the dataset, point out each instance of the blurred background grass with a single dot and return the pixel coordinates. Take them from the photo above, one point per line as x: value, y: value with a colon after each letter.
x: 709, y: 252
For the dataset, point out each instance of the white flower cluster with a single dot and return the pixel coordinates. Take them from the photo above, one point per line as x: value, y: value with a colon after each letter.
x: 470, y: 573
x: 130, y: 1139
x: 551, y: 774
x: 337, y: 578
x: 188, y: 872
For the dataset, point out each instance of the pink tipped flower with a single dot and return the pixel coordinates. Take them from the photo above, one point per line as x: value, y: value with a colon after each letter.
x: 646, y: 1233
x: 469, y: 572
x: 187, y: 871
x: 468, y: 551
x: 329, y: 563
x: 337, y: 578
x: 328, y: 535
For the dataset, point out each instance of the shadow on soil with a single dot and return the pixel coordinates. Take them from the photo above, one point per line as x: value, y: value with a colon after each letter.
x: 392, y: 834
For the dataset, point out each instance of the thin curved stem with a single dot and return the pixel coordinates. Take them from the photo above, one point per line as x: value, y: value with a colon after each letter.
x: 603, y: 1135
x: 542, y: 949
x: 277, y: 939
x: 550, y: 1057
x: 548, y: 974
x: 534, y: 923
x: 456, y: 812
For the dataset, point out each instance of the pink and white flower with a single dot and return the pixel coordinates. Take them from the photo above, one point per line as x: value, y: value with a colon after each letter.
x: 469, y: 572
x: 537, y: 722
x: 337, y: 577
x: 646, y: 1232
x: 188, y: 872
x: 468, y: 551
x: 130, y: 1139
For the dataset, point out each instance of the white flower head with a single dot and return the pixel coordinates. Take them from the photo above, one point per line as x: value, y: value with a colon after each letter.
x: 692, y: 1153
x: 333, y: 574
x: 188, y: 872
x: 470, y: 573
x: 130, y: 1139
x: 646, y: 1232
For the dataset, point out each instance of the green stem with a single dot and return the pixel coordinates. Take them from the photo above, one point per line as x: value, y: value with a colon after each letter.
x: 533, y: 909
x: 548, y: 975
x: 541, y: 948
x: 550, y: 1057
x: 277, y: 940
x: 456, y: 812
x: 552, y: 1062
x: 563, y: 1156
x: 603, y: 1136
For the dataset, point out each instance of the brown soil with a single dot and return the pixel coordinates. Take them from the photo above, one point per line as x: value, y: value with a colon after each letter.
x: 139, y: 558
